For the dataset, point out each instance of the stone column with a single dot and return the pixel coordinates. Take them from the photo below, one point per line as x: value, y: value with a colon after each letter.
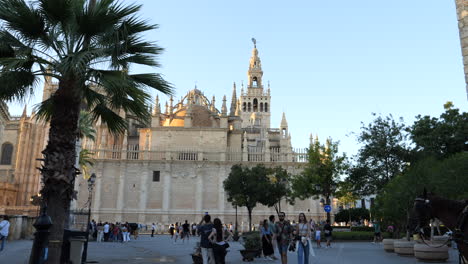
x: 144, y: 184
x: 222, y: 176
x: 462, y: 16
x: 98, y: 189
x: 121, y: 191
x: 167, y: 188
x: 199, y: 192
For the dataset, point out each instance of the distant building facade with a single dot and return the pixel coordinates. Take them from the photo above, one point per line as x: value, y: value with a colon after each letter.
x: 171, y: 171
x: 174, y: 170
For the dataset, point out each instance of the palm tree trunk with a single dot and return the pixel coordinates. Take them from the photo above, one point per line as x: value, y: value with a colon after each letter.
x: 59, y: 171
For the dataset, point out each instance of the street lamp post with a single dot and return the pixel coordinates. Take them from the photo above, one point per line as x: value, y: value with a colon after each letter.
x: 41, y: 238
x: 91, y: 182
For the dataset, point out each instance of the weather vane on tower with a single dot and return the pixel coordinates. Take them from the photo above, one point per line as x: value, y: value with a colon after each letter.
x: 254, y: 42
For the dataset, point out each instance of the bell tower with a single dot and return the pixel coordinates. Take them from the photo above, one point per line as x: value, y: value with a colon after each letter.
x: 255, y: 103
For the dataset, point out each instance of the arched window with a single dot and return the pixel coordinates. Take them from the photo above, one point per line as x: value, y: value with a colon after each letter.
x: 254, y: 82
x: 261, y: 107
x: 249, y: 107
x: 266, y: 107
x: 255, y: 105
x: 7, y: 153
x: 244, y: 107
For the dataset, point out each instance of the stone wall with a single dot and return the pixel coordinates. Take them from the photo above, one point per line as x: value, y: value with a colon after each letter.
x: 462, y: 16
x: 130, y: 190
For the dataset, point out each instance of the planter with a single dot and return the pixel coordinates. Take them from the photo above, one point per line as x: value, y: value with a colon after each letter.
x: 388, y: 244
x: 404, y: 247
x: 441, y: 240
x: 249, y: 254
x: 431, y: 253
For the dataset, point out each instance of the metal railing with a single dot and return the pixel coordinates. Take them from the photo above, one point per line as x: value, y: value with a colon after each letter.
x: 251, y: 154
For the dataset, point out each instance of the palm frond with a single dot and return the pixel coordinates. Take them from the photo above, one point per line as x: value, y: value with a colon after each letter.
x: 85, y: 126
x: 20, y: 17
x: 115, y: 123
x: 17, y: 85
x: 44, y: 110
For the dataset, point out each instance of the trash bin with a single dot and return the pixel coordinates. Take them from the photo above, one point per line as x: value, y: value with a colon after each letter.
x: 66, y: 246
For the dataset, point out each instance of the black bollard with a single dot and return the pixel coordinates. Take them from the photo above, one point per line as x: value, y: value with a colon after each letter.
x: 39, y: 250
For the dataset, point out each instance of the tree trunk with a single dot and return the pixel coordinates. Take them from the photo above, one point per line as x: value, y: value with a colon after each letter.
x: 250, y: 218
x: 58, y: 170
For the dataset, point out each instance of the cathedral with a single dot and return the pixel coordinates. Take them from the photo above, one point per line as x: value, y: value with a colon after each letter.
x: 170, y: 170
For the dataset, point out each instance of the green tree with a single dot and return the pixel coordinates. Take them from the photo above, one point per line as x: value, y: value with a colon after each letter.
x: 446, y: 178
x: 89, y: 48
x: 246, y: 187
x: 443, y: 136
x: 384, y: 155
x: 278, y: 188
x: 321, y: 175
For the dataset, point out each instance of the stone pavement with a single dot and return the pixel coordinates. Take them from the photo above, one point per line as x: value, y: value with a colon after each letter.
x: 161, y: 249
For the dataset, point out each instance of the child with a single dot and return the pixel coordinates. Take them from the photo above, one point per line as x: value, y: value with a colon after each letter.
x: 317, y: 236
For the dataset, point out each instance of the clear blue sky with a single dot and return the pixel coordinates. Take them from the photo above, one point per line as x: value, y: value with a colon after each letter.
x: 330, y: 63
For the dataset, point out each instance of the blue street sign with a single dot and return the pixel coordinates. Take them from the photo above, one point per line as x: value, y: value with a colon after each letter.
x: 327, y: 208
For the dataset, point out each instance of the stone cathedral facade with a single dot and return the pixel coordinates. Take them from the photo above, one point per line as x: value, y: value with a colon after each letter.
x: 170, y: 171
x: 174, y: 170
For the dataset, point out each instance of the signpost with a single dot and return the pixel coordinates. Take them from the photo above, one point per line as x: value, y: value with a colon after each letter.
x: 327, y: 208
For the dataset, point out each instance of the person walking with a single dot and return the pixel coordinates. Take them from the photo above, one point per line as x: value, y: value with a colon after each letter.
x: 206, y: 228
x: 153, y: 229
x: 218, y: 241
x: 186, y: 231
x: 125, y: 233
x: 267, y: 240
x: 4, y: 229
x: 171, y: 230
x: 377, y: 233
x: 177, y: 232
x: 106, y: 231
x: 100, y: 230
x: 283, y: 236
x: 272, y: 226
x: 327, y: 230
x: 194, y: 229
x: 318, y: 236
x: 303, y: 235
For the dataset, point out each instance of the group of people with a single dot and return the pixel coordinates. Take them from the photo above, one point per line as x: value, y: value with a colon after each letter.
x: 113, y: 232
x: 292, y: 237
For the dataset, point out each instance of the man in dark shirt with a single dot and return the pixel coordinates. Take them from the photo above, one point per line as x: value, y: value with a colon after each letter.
x: 186, y: 231
x: 205, y: 229
x: 328, y: 233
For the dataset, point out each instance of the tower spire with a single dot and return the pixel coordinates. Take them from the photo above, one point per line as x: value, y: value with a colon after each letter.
x: 233, y: 100
x: 284, y: 123
x: 157, y: 107
x: 213, y: 108
x: 255, y: 72
x: 224, y: 107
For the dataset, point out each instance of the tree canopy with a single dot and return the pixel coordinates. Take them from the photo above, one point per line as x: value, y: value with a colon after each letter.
x: 322, y: 172
x: 383, y: 155
x: 247, y: 187
x: 443, y: 136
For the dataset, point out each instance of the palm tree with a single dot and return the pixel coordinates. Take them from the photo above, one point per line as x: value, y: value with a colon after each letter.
x: 85, y: 130
x: 89, y: 48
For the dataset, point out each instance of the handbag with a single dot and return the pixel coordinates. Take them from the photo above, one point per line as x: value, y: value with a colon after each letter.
x: 226, y: 245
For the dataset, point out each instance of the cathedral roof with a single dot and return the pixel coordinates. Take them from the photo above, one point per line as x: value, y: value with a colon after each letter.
x: 196, y: 105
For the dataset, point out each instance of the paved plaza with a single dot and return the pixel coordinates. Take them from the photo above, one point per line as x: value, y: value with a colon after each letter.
x: 160, y: 249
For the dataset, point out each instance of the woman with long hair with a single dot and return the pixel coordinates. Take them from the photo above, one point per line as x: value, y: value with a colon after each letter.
x: 303, y: 235
x: 267, y: 242
x: 219, y: 245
